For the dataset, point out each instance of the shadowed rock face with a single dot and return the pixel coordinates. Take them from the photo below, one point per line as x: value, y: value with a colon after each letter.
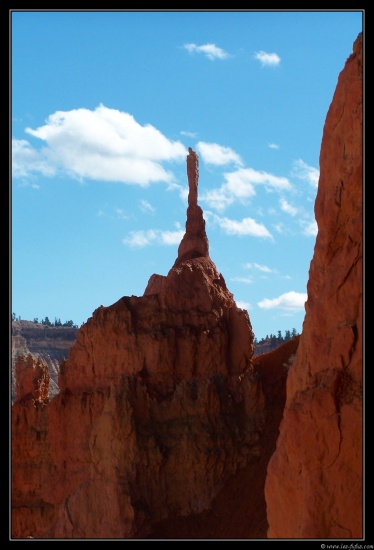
x: 314, y: 482
x: 239, y: 509
x: 159, y: 406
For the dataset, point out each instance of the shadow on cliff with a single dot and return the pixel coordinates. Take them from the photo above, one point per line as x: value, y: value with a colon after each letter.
x: 239, y: 510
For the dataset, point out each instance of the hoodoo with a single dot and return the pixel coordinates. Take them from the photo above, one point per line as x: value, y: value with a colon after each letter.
x: 195, y: 242
x: 159, y: 406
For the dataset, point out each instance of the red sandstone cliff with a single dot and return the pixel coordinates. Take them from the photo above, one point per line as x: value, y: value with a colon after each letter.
x: 159, y: 406
x: 314, y: 482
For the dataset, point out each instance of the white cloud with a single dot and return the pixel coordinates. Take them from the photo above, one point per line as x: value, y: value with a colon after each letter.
x: 287, y: 207
x: 310, y: 229
x: 247, y: 280
x: 141, y: 238
x: 120, y: 213
x: 145, y: 206
x: 211, y: 51
x: 267, y: 59
x: 279, y: 227
x: 263, y: 268
x: 245, y: 227
x: 218, y: 199
x: 26, y: 160
x: 212, y: 153
x: 103, y: 144
x: 250, y: 177
x: 138, y: 239
x: 183, y: 192
x: 243, y: 305
x: 240, y: 185
x: 290, y: 301
x: 303, y: 171
x: 28, y: 184
x: 188, y: 134
x: 171, y: 237
x: 273, y: 146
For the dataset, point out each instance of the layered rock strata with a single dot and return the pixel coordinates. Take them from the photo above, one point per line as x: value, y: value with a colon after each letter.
x: 314, y: 486
x: 158, y: 406
x: 49, y: 344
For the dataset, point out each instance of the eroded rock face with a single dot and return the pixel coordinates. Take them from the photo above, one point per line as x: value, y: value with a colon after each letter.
x: 314, y: 482
x: 239, y: 509
x: 50, y: 344
x: 32, y: 378
x: 158, y: 406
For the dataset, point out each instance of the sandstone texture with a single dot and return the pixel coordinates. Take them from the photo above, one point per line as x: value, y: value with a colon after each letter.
x: 239, y: 509
x: 159, y: 406
x: 50, y: 344
x: 314, y: 484
x: 32, y: 379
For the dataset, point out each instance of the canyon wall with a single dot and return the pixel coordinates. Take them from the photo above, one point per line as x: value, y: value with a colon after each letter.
x: 165, y: 422
x: 314, y: 486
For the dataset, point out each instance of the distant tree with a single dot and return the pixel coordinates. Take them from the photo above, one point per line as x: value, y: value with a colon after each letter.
x: 36, y: 320
x: 13, y: 316
x: 68, y: 324
x: 58, y: 322
x: 271, y: 342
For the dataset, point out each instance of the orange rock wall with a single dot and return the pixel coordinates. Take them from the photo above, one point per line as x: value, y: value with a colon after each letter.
x: 314, y: 482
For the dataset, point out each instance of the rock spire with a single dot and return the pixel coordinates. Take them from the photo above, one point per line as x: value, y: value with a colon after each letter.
x: 195, y: 241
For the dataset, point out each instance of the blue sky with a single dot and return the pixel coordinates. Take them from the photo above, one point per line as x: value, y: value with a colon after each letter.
x: 104, y: 108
